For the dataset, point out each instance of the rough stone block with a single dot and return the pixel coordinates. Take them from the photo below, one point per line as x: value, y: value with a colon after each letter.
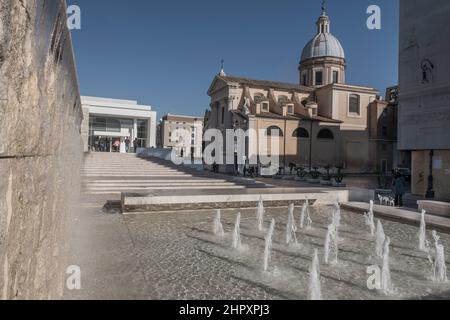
x: 40, y: 148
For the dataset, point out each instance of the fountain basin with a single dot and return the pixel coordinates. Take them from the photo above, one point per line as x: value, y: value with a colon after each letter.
x: 185, y: 260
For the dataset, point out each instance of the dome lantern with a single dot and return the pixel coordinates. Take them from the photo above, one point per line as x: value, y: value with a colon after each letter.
x: 323, y: 58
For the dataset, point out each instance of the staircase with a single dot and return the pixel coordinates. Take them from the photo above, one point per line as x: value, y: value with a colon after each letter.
x: 113, y: 173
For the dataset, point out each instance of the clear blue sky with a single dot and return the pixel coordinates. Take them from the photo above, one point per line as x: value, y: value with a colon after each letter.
x: 165, y: 53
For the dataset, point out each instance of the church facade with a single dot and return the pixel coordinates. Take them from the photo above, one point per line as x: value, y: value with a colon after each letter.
x: 320, y: 121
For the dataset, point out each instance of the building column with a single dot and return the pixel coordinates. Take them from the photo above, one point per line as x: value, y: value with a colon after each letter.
x: 134, y: 135
x: 151, y: 132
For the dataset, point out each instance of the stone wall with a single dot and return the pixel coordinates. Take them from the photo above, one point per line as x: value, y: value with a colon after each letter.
x: 40, y: 146
x: 424, y: 75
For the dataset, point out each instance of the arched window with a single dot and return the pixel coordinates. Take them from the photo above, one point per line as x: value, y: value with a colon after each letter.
x: 325, y: 134
x: 301, y: 133
x: 274, y: 131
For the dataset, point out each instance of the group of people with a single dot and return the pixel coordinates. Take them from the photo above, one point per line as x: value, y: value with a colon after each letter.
x: 114, y: 145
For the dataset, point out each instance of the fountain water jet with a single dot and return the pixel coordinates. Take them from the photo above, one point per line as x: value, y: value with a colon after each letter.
x: 380, y: 239
x: 305, y: 215
x: 332, y: 237
x: 439, y: 267
x: 268, y: 246
x: 218, y: 227
x: 386, y: 280
x: 260, y: 215
x: 370, y: 219
x: 237, y: 233
x: 331, y: 245
x: 337, y: 215
x: 291, y: 227
x: 423, y: 245
x: 314, y: 289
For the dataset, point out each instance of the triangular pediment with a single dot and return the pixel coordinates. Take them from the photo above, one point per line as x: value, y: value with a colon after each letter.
x: 217, y: 84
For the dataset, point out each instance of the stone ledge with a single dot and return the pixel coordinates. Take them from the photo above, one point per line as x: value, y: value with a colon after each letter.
x: 207, y: 199
x: 400, y: 215
x: 435, y: 207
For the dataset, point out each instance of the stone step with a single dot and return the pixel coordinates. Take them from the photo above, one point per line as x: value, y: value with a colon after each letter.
x: 125, y: 174
x: 180, y: 181
x: 171, y: 189
x: 127, y: 166
x: 157, y: 185
x: 134, y: 170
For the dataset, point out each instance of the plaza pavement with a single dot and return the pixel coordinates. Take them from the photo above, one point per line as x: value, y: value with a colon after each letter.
x: 105, y: 243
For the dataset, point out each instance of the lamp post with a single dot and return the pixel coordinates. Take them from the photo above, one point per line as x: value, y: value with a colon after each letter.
x: 310, y: 145
x: 284, y: 145
x: 430, y: 190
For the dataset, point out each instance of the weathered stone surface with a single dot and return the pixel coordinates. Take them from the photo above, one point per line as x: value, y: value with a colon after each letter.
x: 435, y: 207
x: 40, y: 148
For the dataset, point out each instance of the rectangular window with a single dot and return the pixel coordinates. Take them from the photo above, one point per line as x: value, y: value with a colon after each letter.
x: 335, y: 76
x: 319, y: 78
x: 142, y: 129
x: 304, y: 80
x: 265, y: 107
x: 354, y: 107
x: 384, y: 131
x: 290, y: 110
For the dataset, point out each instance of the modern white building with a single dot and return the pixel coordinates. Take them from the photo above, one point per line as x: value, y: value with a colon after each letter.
x: 112, y: 125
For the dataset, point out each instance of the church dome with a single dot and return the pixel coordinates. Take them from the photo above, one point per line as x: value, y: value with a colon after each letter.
x: 323, y: 58
x: 323, y: 45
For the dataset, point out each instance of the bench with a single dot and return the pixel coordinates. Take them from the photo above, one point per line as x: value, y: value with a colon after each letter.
x: 435, y: 207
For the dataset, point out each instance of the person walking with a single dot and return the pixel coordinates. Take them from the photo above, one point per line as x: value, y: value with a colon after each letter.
x: 135, y: 145
x: 399, y: 188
